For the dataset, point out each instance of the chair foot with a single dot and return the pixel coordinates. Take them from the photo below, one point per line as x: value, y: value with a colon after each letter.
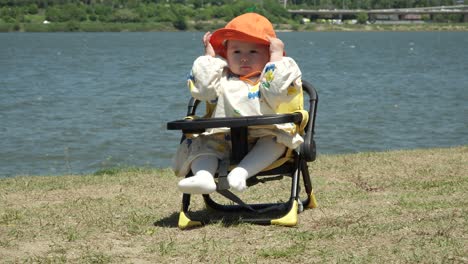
x: 185, y: 222
x: 312, y: 200
x: 290, y: 219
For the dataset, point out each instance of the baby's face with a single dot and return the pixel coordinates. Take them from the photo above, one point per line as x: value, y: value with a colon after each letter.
x: 246, y: 57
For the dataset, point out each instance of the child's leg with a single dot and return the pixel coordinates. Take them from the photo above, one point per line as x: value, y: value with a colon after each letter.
x: 263, y: 154
x: 202, y: 181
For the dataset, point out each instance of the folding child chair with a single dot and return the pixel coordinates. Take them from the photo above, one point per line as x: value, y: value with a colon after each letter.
x: 293, y: 165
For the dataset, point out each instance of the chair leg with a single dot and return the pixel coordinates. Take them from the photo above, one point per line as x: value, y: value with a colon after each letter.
x: 311, y: 201
x: 184, y: 221
x: 291, y: 218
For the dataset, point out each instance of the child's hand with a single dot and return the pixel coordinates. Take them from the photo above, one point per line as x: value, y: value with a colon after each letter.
x: 208, y: 48
x: 276, y: 49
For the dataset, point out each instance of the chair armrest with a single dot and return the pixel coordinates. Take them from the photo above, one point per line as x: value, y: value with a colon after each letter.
x: 308, y: 148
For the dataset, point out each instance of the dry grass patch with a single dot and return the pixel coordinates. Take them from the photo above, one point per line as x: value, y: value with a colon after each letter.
x: 390, y: 207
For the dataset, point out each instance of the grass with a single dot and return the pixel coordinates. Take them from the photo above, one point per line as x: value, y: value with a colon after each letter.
x: 390, y: 207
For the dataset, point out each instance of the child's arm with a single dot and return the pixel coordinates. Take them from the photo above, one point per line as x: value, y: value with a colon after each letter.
x: 281, y: 77
x: 209, y: 51
x: 206, y: 73
x: 276, y: 49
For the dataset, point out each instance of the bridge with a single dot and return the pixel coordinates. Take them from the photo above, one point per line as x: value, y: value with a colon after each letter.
x: 373, y: 13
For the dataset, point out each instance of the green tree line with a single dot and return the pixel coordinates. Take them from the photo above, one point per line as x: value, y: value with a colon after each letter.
x: 177, y: 12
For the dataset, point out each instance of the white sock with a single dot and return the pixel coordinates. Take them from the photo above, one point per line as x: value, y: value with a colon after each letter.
x: 202, y: 182
x: 237, y: 179
x: 263, y: 154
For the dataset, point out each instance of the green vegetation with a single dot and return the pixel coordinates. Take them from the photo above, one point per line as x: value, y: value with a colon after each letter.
x: 158, y: 15
x: 129, y: 15
x: 362, y: 18
x: 389, y: 207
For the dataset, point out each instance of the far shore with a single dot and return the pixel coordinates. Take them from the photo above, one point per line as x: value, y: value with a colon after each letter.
x: 206, y: 26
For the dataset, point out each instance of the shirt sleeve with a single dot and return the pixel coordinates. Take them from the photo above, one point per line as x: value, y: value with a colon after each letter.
x: 205, y: 77
x: 280, y: 81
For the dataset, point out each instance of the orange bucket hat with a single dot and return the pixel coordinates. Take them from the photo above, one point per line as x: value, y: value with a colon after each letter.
x: 249, y: 27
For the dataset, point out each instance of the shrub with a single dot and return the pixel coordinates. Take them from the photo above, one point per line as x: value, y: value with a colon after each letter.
x: 125, y: 16
x: 102, y: 10
x: 72, y: 26
x: 5, y: 27
x: 65, y: 13
x: 54, y: 14
x: 9, y: 20
x: 164, y: 14
x: 32, y: 27
x: 447, y: 18
x: 180, y: 23
x: 224, y: 12
x: 362, y: 18
x: 32, y: 9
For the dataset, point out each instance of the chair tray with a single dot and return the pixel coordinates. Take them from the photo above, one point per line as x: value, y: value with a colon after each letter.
x: 199, y: 124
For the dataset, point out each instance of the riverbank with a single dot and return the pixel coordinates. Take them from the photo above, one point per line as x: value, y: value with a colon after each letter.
x: 74, y: 26
x: 389, y: 27
x: 393, y: 207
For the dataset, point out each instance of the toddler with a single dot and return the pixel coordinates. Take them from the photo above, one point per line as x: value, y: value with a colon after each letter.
x: 244, y: 72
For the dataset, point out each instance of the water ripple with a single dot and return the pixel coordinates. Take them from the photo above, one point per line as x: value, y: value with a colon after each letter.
x: 77, y: 103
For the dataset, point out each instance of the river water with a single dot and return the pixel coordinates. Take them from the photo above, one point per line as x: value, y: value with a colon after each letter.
x: 74, y: 103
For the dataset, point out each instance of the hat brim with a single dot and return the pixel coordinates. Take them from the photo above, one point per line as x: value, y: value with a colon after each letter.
x: 219, y: 37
